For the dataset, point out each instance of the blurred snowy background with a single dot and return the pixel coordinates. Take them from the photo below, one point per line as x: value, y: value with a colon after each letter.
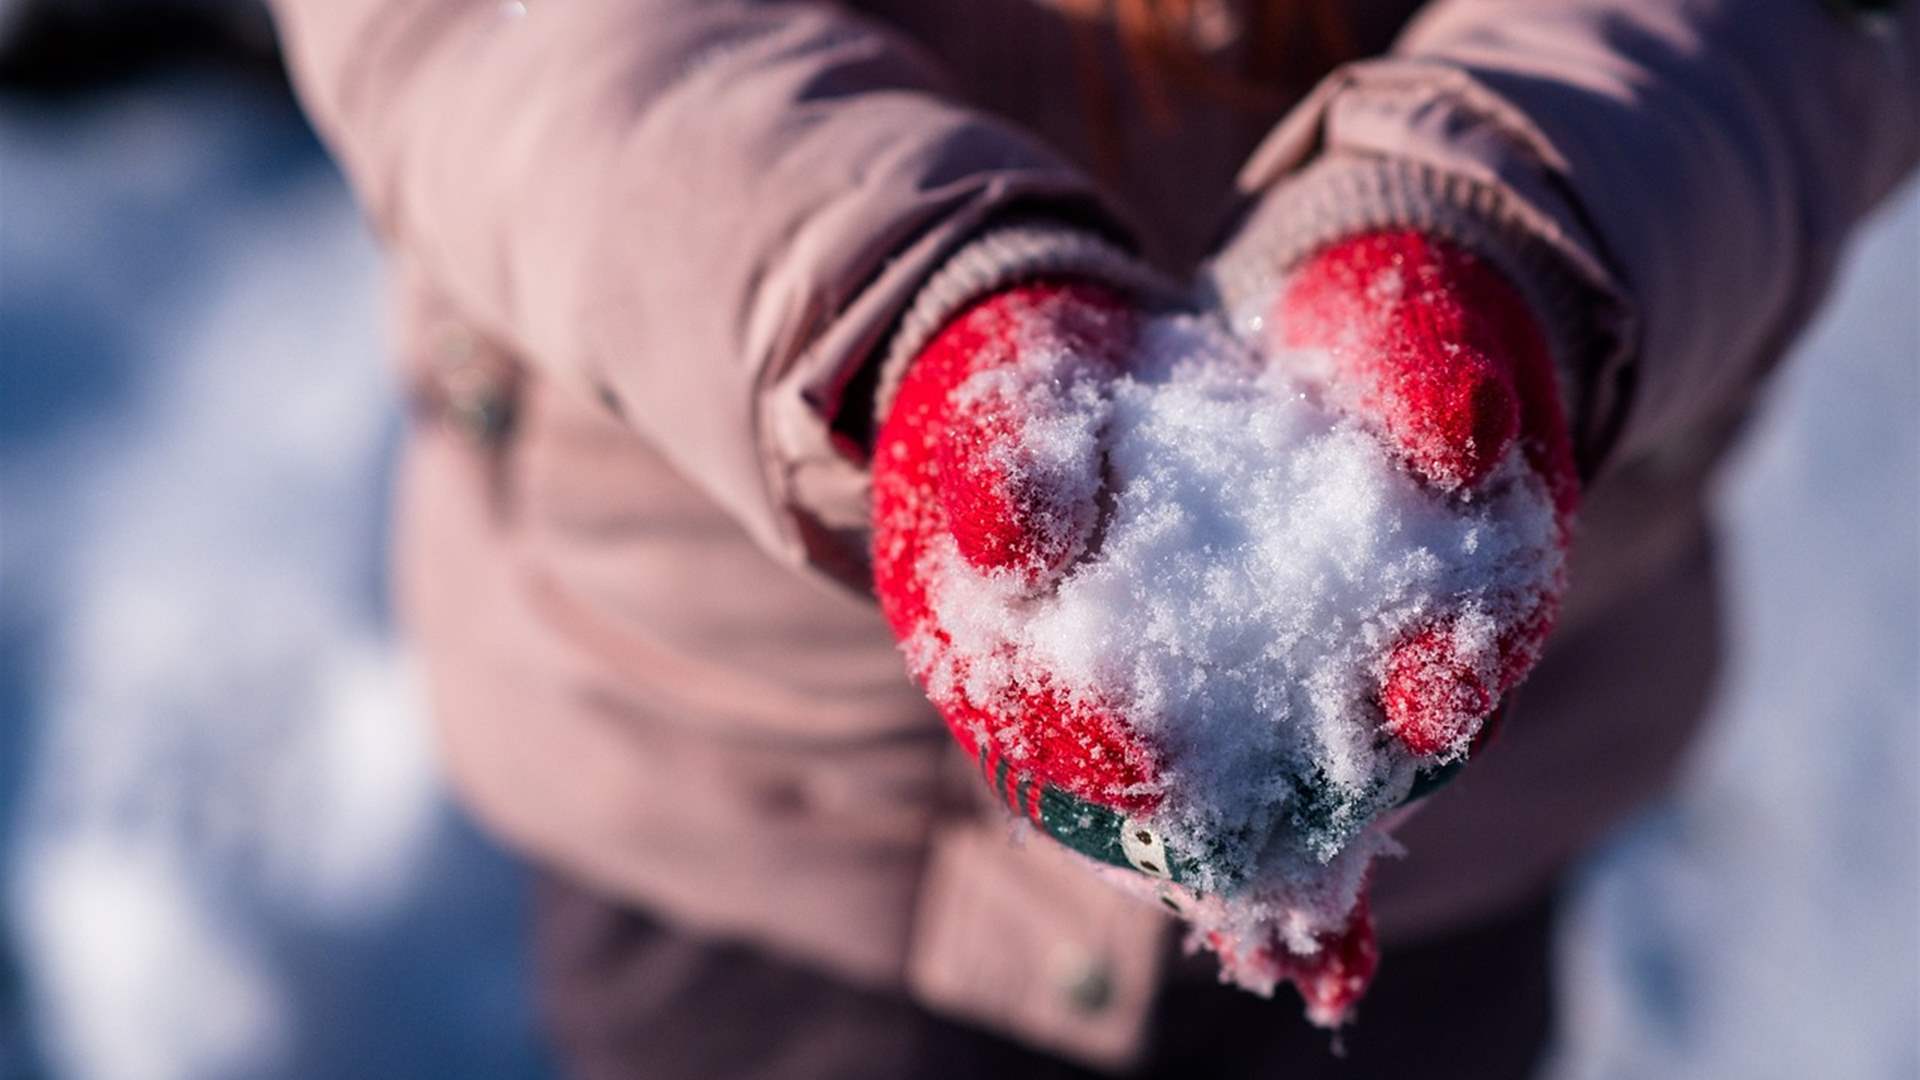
x: 226, y: 851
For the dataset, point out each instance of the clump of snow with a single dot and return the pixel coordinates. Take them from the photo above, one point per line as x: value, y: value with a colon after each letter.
x: 1257, y: 554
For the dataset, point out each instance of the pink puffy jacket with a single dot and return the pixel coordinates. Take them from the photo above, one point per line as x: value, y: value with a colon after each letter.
x: 649, y: 255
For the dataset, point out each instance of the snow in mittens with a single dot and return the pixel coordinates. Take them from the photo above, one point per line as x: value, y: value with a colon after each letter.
x: 1255, y: 557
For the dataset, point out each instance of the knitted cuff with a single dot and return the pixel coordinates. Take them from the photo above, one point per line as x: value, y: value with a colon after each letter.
x: 1341, y: 195
x: 1000, y: 258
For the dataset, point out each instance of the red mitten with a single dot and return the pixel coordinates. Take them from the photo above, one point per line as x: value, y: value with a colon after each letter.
x: 1433, y: 347
x: 949, y: 470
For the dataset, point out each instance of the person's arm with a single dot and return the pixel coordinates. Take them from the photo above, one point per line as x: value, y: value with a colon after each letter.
x: 708, y: 214
x: 1671, y: 183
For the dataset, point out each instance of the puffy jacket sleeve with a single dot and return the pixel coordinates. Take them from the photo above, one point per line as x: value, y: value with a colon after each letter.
x: 704, y: 213
x: 1675, y: 179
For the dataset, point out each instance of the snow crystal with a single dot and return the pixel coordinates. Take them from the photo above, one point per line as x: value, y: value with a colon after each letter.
x: 1257, y: 555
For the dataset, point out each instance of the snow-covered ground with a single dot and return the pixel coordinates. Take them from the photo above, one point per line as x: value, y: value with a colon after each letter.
x: 227, y: 852
x: 1766, y: 921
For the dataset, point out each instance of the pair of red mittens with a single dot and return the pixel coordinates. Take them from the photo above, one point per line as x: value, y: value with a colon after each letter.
x: 1423, y: 342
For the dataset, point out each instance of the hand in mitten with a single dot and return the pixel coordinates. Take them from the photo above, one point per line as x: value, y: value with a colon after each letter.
x: 1439, y: 355
x: 954, y: 478
x: 1437, y: 351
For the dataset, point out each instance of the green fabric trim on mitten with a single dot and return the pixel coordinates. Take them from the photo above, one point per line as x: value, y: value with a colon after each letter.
x: 1324, y: 817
